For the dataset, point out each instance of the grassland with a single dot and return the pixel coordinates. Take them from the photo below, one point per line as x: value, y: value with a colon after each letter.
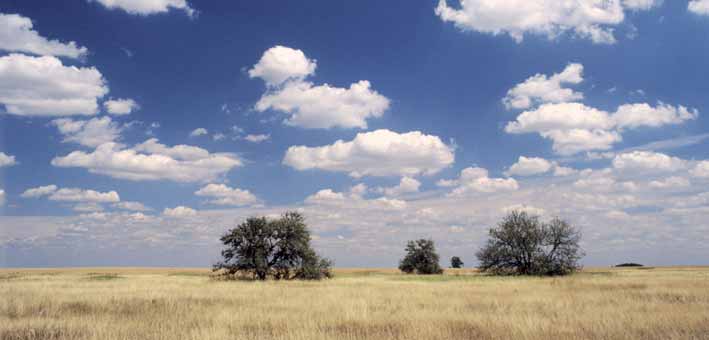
x: 111, y: 304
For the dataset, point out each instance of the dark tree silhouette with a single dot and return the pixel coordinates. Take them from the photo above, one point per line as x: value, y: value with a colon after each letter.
x: 277, y: 248
x: 421, y: 258
x: 456, y: 262
x: 523, y: 245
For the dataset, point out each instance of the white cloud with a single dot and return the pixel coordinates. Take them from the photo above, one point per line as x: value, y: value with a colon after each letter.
x: 377, y: 153
x: 81, y: 195
x: 324, y: 106
x: 309, y: 105
x: 7, y: 160
x: 132, y: 206
x: 673, y: 182
x: 561, y: 116
x: 701, y: 170
x: 224, y: 195
x: 700, y: 7
x: 120, y: 107
x: 257, y: 138
x: 91, y: 133
x: 147, y: 7
x: 575, y: 127
x: 218, y: 136
x: 529, y: 166
x: 641, y: 4
x: 532, y: 210
x: 179, y: 212
x: 648, y: 161
x: 542, y: 89
x: 477, y: 180
x: 17, y: 35
x: 406, y: 185
x: 590, y: 19
x: 39, y: 191
x: 280, y: 64
x: 199, y: 132
x: 2, y: 197
x: 325, y: 196
x: 43, y: 86
x: 152, y: 161
x: 88, y: 207
x: 637, y: 115
x: 329, y: 197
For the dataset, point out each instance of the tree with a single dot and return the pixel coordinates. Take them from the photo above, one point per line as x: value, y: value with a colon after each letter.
x: 277, y: 248
x: 421, y: 258
x: 456, y: 262
x: 523, y: 245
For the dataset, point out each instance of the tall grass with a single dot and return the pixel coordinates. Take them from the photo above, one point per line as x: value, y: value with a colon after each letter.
x: 112, y: 304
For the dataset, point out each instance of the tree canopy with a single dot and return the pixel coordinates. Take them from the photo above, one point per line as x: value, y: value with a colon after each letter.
x: 421, y: 258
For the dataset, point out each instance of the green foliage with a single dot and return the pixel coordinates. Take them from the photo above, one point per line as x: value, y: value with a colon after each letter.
x: 522, y: 245
x: 421, y: 258
x: 278, y: 248
x: 456, y: 262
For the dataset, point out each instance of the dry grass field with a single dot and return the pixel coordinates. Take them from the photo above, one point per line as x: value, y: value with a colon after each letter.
x: 112, y: 304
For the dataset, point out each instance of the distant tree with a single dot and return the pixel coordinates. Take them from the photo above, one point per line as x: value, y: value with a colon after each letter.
x: 421, y: 258
x: 631, y: 264
x: 277, y: 248
x: 456, y: 262
x: 522, y: 245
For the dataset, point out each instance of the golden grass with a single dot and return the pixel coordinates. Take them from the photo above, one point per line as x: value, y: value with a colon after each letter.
x: 135, y: 303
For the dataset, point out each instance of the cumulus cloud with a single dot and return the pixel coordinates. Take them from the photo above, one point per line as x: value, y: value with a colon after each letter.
x: 43, y: 86
x: 700, y: 7
x: 39, y: 191
x: 280, y: 64
x: 2, y: 197
x: 477, y: 180
x: 542, y: 89
x: 590, y: 19
x: 529, y: 166
x: 324, y: 106
x: 147, y: 7
x: 376, y: 153
x: 648, y: 161
x: 406, y: 185
x: 329, y: 197
x: 637, y: 115
x: 91, y: 133
x: 308, y: 105
x: 152, y: 161
x: 199, y: 132
x: 7, y: 160
x: 674, y: 182
x: 120, y: 107
x: 224, y: 195
x: 257, y: 138
x: 575, y: 127
x: 18, y: 35
x: 82, y: 195
x: 132, y: 206
x: 701, y: 170
x: 179, y: 212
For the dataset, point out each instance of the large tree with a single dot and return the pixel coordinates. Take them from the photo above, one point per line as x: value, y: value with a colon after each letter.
x: 522, y: 244
x: 278, y: 248
x: 421, y: 258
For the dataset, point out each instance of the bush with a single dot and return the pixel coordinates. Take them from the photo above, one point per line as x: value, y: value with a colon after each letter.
x: 279, y: 249
x: 631, y: 264
x: 421, y: 258
x: 522, y: 245
x: 456, y: 262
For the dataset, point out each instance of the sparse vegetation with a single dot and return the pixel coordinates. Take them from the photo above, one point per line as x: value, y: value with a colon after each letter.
x: 421, y: 258
x: 152, y: 304
x: 523, y: 245
x: 280, y: 249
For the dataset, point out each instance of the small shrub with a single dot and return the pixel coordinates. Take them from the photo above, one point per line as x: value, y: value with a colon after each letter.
x: 456, y: 262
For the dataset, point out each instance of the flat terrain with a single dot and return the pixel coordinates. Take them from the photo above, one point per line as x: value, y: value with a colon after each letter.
x: 111, y: 303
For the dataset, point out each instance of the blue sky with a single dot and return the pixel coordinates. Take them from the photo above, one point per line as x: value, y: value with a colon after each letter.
x: 136, y: 132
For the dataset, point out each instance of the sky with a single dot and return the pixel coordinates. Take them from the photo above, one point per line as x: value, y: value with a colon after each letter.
x: 136, y: 132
